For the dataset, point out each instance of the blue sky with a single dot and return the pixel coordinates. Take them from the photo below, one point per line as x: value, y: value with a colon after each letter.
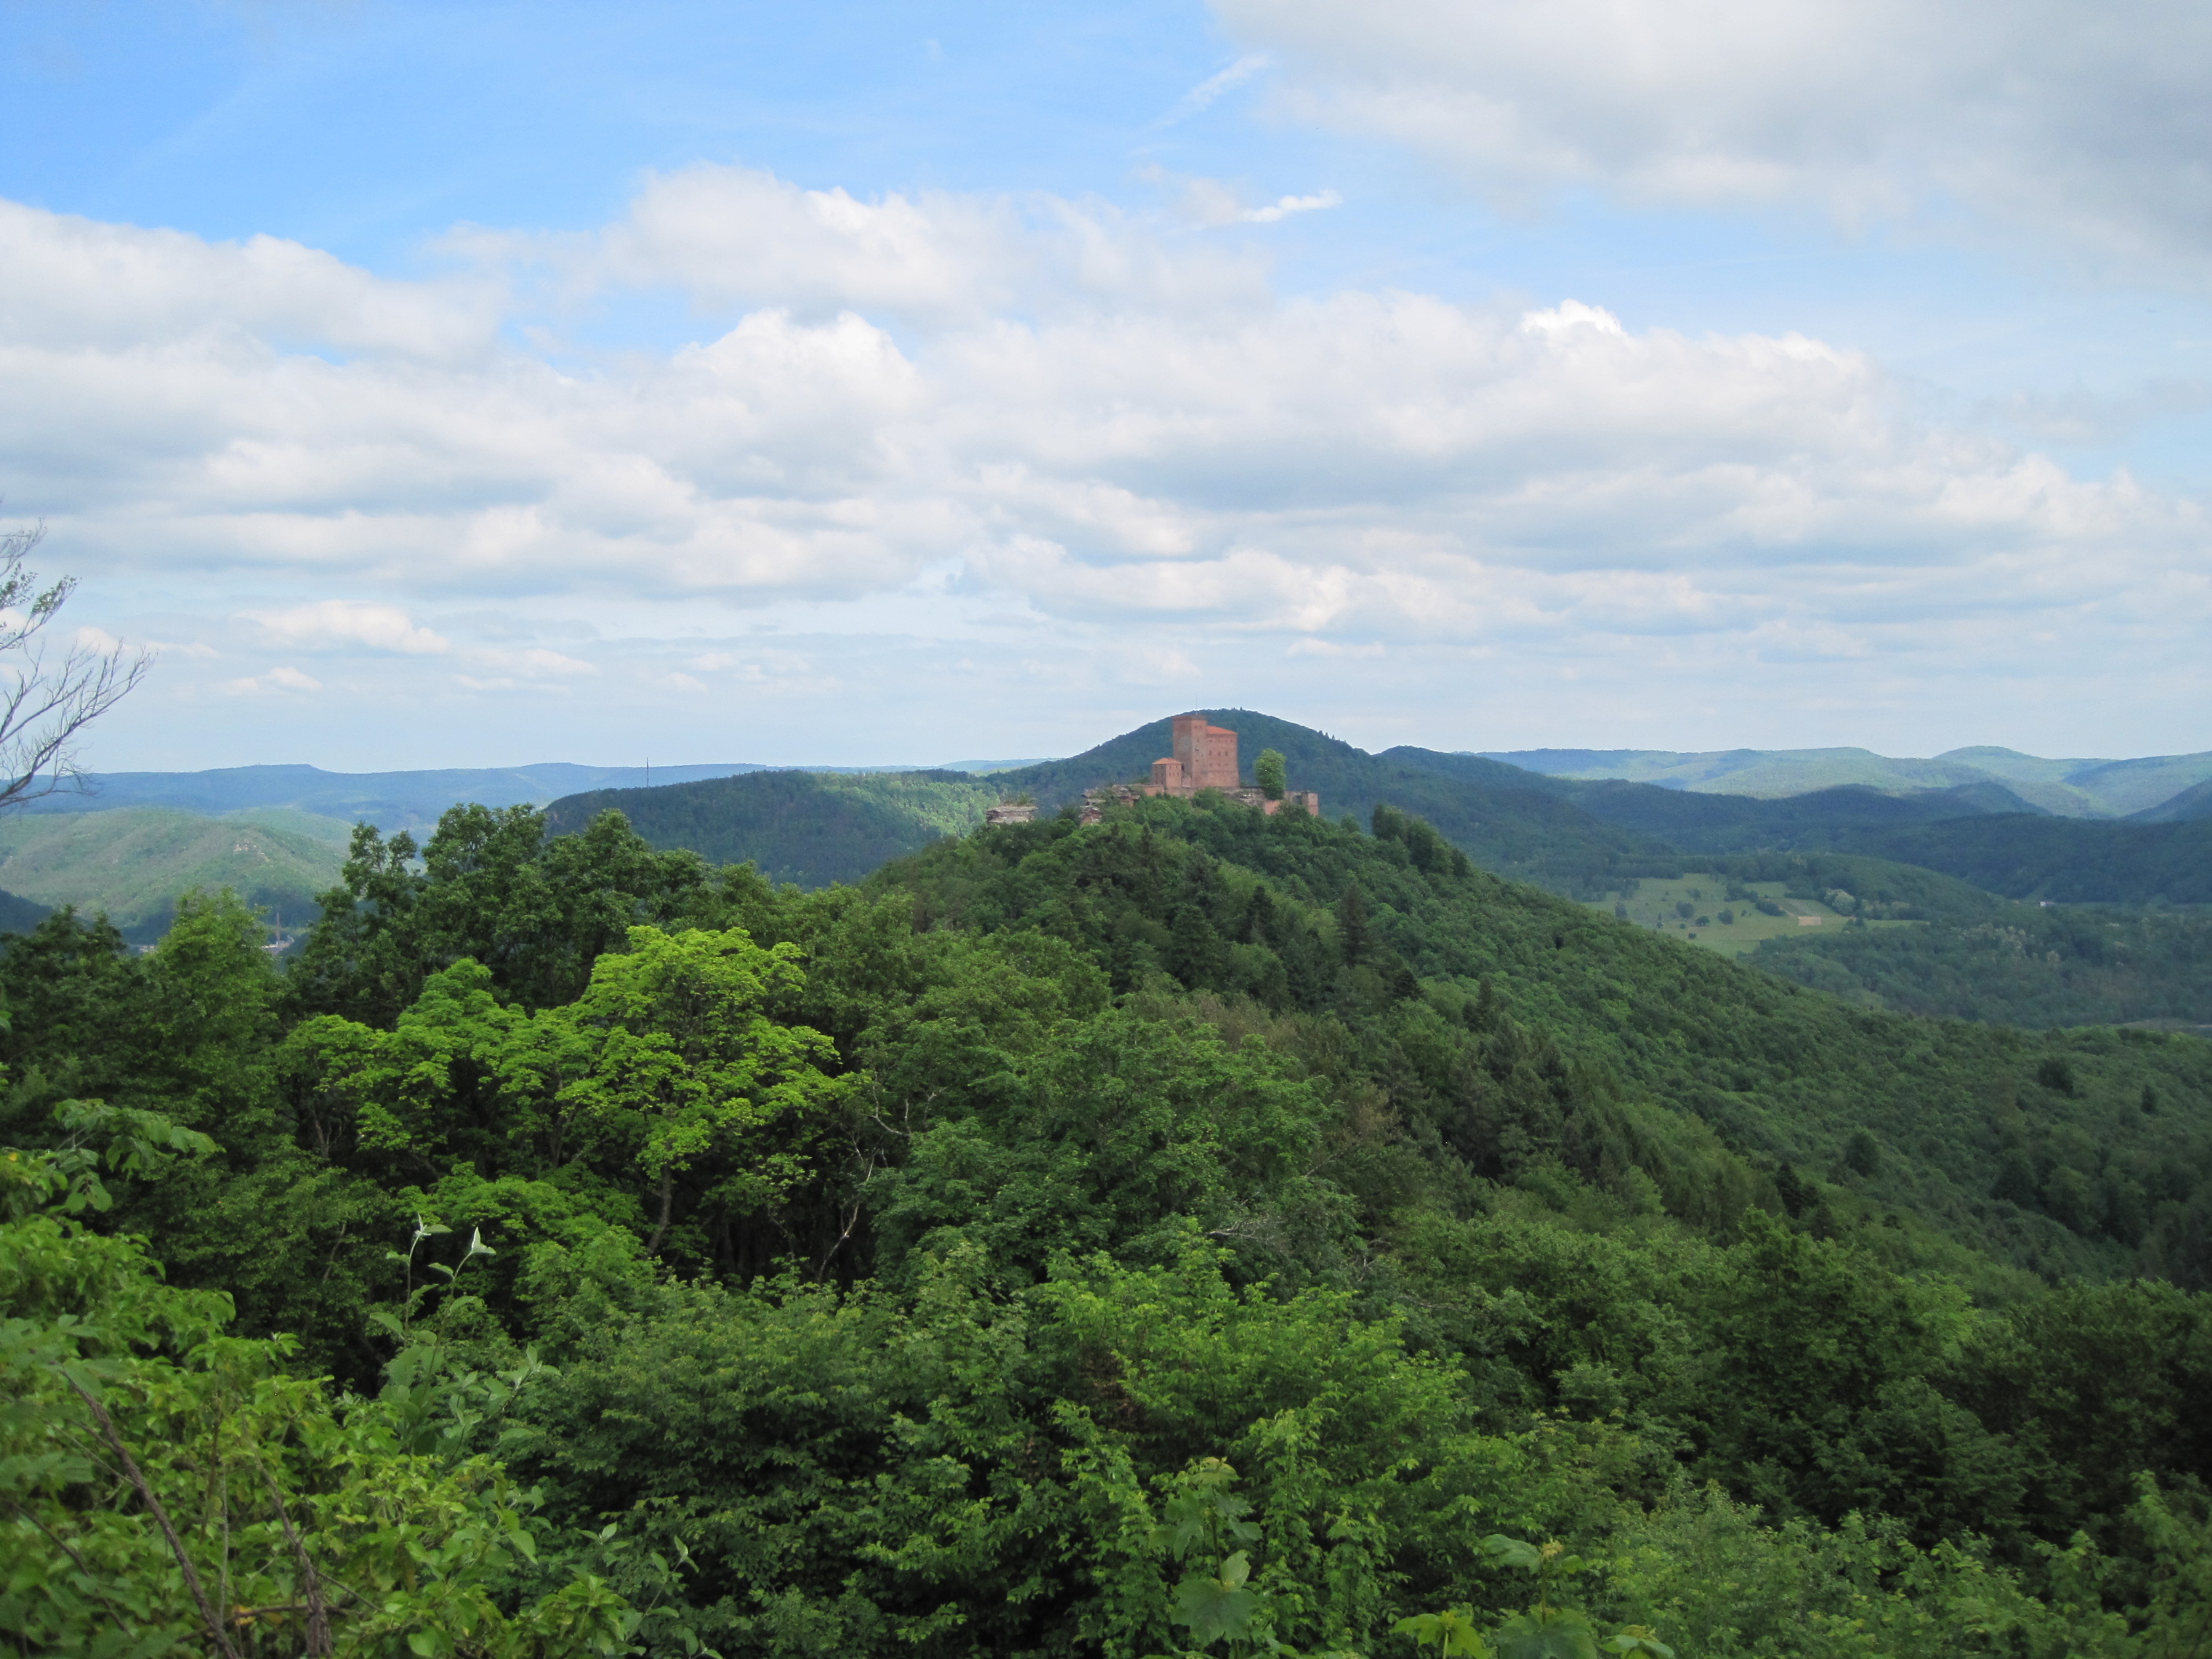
x: 469, y: 383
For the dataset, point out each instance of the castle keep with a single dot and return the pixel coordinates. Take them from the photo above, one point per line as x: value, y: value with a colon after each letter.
x: 1205, y: 757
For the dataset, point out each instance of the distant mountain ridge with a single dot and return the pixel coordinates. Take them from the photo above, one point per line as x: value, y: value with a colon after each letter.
x: 394, y: 800
x: 1570, y: 835
x: 2069, y: 788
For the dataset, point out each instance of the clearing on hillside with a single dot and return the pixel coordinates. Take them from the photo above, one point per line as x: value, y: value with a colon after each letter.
x: 1729, y: 924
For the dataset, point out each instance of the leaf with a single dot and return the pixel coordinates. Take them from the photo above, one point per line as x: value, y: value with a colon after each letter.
x: 1214, y: 1608
x: 1512, y: 1553
x: 1451, y: 1632
x: 1639, y: 1639
x: 1547, y: 1636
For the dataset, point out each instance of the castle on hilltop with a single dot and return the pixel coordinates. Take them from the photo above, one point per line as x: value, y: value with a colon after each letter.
x: 1205, y: 757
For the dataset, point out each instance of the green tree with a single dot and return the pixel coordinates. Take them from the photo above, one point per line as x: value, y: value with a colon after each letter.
x: 166, y: 1487
x: 1270, y: 772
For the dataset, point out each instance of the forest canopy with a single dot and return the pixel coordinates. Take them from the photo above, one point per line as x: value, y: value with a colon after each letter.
x: 1195, y: 1232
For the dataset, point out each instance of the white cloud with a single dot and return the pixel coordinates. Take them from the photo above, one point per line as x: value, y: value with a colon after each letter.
x: 78, y: 282
x: 344, y: 622
x: 533, y: 663
x: 1202, y: 96
x: 2084, y: 128
x: 277, y: 679
x: 733, y: 236
x: 1137, y: 454
x: 1283, y: 207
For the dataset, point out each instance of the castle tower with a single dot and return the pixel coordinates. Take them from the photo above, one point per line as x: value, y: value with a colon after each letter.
x: 1207, y: 752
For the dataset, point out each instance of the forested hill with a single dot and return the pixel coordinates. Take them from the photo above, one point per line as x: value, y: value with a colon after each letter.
x: 807, y: 828
x: 1575, y: 837
x: 1694, y: 821
x: 1955, y: 1113
x: 2065, y: 861
x: 1197, y: 1232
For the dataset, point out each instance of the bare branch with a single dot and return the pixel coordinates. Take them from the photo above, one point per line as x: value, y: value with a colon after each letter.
x: 45, y: 704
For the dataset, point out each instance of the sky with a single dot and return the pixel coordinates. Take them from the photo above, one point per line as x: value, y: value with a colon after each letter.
x: 475, y: 384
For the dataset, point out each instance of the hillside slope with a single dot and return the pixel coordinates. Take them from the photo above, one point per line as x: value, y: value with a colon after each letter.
x: 2194, y: 802
x: 2054, y: 1151
x: 2065, y: 860
x: 18, y: 915
x: 807, y: 828
x: 1701, y: 822
x: 1504, y: 818
x: 134, y: 862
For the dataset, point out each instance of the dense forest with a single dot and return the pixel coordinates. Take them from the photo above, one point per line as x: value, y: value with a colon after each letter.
x: 2028, y: 966
x: 809, y: 828
x: 1198, y: 1232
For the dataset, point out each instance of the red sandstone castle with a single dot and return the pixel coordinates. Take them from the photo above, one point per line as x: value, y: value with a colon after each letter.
x: 1205, y: 758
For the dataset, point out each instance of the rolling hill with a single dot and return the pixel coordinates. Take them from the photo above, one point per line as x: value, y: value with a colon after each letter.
x: 2071, y: 789
x: 133, y: 862
x: 2063, y: 860
x: 391, y: 800
x: 807, y: 828
x: 1575, y: 837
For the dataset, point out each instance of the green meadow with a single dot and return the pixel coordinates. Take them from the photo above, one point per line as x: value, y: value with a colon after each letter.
x: 1696, y: 907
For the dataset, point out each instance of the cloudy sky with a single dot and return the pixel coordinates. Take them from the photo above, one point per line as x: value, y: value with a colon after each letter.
x: 454, y: 383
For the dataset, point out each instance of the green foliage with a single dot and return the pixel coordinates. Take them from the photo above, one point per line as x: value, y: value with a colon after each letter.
x: 167, y: 1488
x: 1197, y: 1232
x: 491, y: 888
x: 2067, y: 860
x: 807, y: 828
x: 132, y: 863
x: 2029, y: 967
x: 1271, y: 773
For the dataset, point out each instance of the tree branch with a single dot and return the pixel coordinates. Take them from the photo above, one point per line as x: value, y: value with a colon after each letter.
x: 161, y: 1515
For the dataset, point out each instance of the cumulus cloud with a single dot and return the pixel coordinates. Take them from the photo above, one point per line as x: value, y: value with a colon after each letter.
x: 277, y: 679
x: 735, y: 236
x: 350, y: 622
x: 121, y: 287
x: 2078, y: 124
x: 888, y: 405
x: 1284, y: 206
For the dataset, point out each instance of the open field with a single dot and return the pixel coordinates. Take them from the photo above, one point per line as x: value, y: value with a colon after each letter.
x: 1656, y: 903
